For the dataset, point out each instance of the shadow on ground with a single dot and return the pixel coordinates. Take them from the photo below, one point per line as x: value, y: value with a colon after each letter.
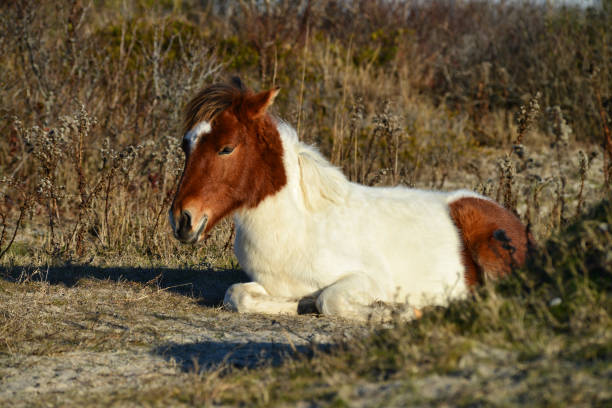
x: 212, y: 354
x: 208, y: 285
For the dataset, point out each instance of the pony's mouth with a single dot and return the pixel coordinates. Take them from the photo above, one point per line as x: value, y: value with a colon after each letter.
x: 182, y: 233
x: 199, y: 232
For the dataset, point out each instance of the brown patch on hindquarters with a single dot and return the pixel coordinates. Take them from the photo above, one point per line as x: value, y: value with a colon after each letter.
x: 494, y: 240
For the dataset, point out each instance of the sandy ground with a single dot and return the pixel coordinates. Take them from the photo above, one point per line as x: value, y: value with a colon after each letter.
x: 94, y: 333
x: 122, y: 344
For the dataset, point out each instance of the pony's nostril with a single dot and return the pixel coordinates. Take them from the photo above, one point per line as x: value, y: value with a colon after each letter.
x: 186, y: 216
x: 184, y: 226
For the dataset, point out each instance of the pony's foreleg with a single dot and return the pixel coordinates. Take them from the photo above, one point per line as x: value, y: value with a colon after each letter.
x: 251, y: 297
x: 351, y: 296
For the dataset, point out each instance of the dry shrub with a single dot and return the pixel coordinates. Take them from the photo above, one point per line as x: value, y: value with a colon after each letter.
x: 421, y: 94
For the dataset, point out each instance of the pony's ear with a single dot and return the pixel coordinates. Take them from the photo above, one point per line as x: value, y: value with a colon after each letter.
x: 237, y: 82
x: 257, y: 104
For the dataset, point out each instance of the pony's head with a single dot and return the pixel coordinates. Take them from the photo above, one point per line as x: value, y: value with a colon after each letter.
x: 233, y: 157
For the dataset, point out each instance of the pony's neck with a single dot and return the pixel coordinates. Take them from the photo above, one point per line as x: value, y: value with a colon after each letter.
x: 288, y: 202
x: 313, y: 184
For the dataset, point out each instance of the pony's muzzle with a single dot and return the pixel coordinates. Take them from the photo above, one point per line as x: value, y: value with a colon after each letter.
x: 184, y: 231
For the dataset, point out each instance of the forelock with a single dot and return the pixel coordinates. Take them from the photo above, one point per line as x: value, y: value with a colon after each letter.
x: 210, y: 102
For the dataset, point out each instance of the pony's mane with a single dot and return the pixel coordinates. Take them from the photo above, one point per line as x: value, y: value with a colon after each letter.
x: 211, y: 101
x: 321, y: 183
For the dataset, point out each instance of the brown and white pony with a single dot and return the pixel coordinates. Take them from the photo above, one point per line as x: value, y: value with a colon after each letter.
x: 303, y: 231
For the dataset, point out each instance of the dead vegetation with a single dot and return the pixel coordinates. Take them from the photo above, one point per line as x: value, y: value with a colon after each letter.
x: 512, y: 100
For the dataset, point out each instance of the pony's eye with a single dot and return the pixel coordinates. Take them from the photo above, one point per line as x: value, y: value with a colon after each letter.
x: 226, y: 150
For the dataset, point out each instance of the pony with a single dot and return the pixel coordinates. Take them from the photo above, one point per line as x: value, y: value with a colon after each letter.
x: 307, y: 235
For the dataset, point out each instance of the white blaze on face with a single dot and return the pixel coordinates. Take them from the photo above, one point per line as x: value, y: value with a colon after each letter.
x: 198, y: 130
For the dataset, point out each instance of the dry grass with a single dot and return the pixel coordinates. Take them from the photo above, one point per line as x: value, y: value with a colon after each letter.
x: 92, y: 96
x: 510, y: 100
